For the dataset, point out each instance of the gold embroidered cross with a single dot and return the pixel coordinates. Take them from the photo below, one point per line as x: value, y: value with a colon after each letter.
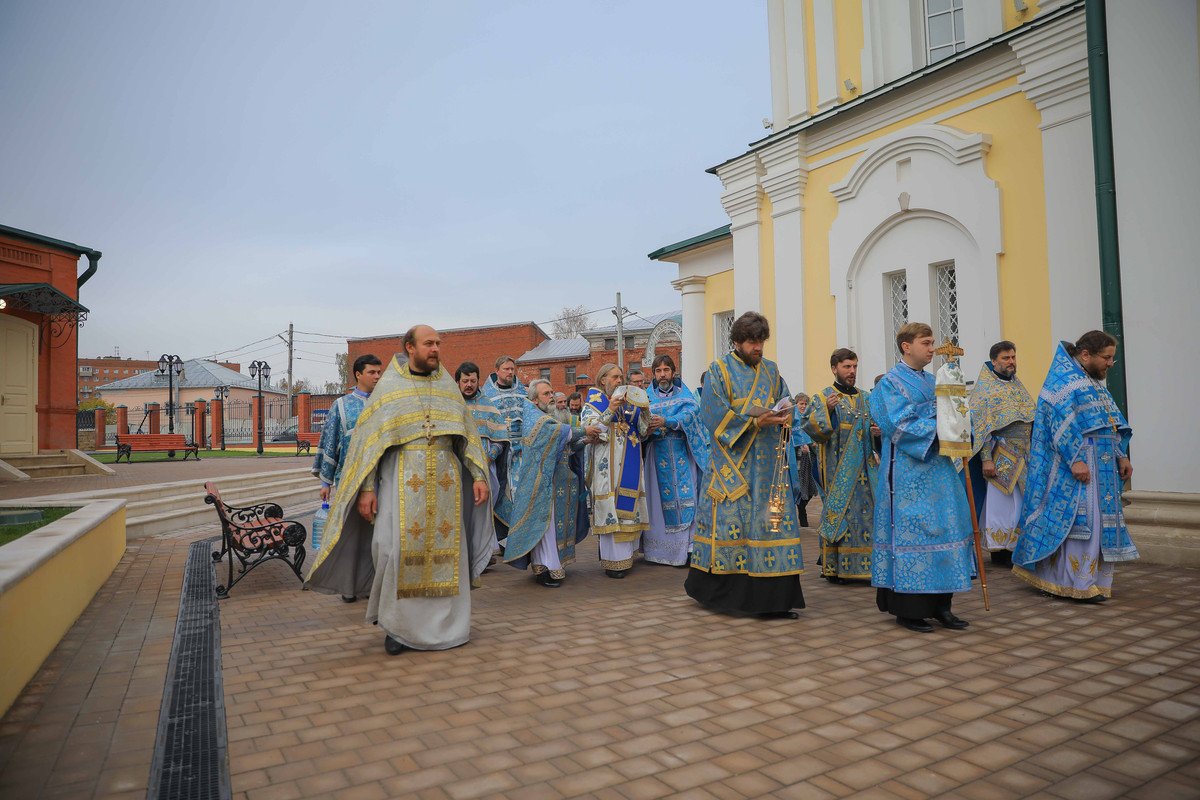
x: 415, y: 530
x: 427, y: 426
x: 415, y: 483
x: 446, y: 482
x: 445, y: 528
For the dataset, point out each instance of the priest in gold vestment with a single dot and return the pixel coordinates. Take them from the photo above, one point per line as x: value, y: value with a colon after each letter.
x: 396, y: 528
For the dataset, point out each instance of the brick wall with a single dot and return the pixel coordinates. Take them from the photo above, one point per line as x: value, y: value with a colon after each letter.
x: 481, y: 345
x: 590, y: 366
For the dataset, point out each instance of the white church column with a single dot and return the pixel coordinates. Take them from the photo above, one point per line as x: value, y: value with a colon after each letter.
x: 740, y: 199
x: 784, y: 182
x: 694, y: 351
x: 1055, y: 79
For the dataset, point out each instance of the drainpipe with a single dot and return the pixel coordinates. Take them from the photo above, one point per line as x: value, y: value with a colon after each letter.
x: 93, y: 257
x: 1106, y: 193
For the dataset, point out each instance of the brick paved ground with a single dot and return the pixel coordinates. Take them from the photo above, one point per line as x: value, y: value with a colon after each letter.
x: 626, y: 690
x: 139, y: 474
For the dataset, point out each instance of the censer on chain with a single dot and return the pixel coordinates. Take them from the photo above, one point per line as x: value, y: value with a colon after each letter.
x: 781, y: 486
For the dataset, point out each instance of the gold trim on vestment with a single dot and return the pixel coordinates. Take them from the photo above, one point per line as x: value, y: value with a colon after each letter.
x: 1062, y: 591
x: 625, y: 563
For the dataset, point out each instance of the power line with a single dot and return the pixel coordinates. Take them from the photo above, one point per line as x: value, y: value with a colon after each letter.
x: 243, y: 347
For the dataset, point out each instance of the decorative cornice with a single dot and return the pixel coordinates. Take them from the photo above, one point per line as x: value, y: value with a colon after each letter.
x: 696, y: 283
x: 954, y: 146
x: 786, y: 171
x: 1055, y: 73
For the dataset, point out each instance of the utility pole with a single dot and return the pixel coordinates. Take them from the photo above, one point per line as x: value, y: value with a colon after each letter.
x: 289, y: 341
x: 621, y: 312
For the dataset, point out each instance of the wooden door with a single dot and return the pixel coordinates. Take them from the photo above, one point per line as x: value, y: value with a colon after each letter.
x: 18, y: 386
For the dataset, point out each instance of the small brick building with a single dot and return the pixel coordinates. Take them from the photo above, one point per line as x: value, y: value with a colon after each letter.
x: 483, y: 344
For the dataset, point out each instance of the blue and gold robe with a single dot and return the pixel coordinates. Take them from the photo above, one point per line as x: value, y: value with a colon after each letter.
x: 1076, y: 420
x: 922, y: 532
x: 846, y: 464
x: 509, y: 402
x: 676, y: 455
x: 336, y: 436
x: 733, y: 530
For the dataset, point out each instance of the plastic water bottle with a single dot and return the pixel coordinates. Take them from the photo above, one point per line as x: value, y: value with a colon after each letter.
x: 318, y: 526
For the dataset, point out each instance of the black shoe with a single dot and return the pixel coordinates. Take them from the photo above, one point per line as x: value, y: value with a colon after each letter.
x: 1002, y: 558
x: 950, y: 621
x: 1094, y: 601
x: 835, y: 580
x: 547, y: 580
x: 393, y: 647
x: 349, y: 598
x: 917, y: 625
x: 779, y: 615
x: 616, y: 573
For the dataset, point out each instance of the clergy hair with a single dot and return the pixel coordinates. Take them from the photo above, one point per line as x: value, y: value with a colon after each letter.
x: 842, y: 354
x: 1000, y: 347
x: 1091, y: 342
x: 574, y: 396
x: 362, y: 362
x: 607, y: 368
x: 466, y: 368
x: 635, y: 371
x: 910, y: 332
x: 750, y: 327
x: 533, y: 388
x: 665, y: 359
x: 502, y: 360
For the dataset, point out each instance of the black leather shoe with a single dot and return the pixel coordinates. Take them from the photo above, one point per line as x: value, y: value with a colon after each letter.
x: 393, y: 647
x: 349, y: 598
x: 547, y: 580
x: 616, y: 573
x: 779, y: 615
x: 834, y: 579
x: 1096, y: 600
x: 917, y: 625
x: 952, y: 622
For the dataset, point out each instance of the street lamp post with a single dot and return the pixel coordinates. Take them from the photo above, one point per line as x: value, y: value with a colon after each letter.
x: 262, y: 371
x: 170, y: 366
x: 220, y: 393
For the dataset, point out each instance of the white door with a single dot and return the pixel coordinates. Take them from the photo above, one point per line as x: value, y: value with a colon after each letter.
x: 18, y: 386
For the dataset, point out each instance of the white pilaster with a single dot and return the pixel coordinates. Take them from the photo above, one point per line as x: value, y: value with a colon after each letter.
x: 797, y: 62
x: 828, y: 81
x: 778, y: 53
x: 786, y: 175
x: 740, y: 200
x: 694, y: 353
x: 1055, y: 79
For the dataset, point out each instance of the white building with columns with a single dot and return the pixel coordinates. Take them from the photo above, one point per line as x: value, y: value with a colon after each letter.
x: 933, y: 160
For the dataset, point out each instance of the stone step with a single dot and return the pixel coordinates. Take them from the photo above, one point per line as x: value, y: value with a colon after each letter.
x: 132, y: 494
x: 62, y: 470
x: 32, y: 461
x: 234, y: 495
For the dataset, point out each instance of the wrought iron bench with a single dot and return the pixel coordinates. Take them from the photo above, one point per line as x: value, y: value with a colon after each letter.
x: 306, y: 441
x: 129, y: 443
x: 254, y: 535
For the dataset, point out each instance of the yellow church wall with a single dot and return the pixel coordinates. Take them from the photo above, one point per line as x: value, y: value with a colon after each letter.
x: 1013, y: 18
x: 1014, y: 162
x: 820, y: 317
x: 810, y: 55
x: 718, y: 297
x: 848, y: 22
x: 766, y: 268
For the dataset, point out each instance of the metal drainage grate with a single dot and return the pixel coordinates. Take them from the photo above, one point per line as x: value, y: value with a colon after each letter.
x: 191, y: 759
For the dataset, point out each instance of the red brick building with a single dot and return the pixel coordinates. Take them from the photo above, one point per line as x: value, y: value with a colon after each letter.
x: 95, y: 372
x: 568, y: 364
x: 483, y: 344
x: 40, y: 314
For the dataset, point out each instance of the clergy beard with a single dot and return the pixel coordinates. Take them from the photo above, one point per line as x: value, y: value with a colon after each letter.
x: 423, y: 366
x: 1093, y: 373
x: 665, y: 386
x: 560, y: 415
x: 504, y: 385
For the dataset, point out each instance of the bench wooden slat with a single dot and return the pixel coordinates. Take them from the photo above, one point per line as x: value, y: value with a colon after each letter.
x: 253, y: 535
x: 128, y: 443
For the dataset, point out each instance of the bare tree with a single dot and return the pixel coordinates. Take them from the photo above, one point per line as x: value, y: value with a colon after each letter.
x: 572, y: 321
x: 343, y: 367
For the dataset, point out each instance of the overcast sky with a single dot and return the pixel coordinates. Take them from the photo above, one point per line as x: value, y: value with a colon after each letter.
x: 357, y: 167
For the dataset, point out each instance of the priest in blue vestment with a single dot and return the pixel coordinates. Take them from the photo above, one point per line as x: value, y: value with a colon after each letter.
x: 508, y: 395
x: 494, y: 435
x: 921, y: 550
x: 339, y: 424
x: 675, y: 455
x: 746, y: 555
x: 1072, y: 526
x: 548, y: 492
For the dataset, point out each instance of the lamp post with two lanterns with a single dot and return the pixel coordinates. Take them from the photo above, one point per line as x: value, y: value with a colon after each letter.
x: 262, y: 371
x: 170, y: 366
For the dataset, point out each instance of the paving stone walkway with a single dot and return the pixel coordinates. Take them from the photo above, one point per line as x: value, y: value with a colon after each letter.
x: 627, y: 690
